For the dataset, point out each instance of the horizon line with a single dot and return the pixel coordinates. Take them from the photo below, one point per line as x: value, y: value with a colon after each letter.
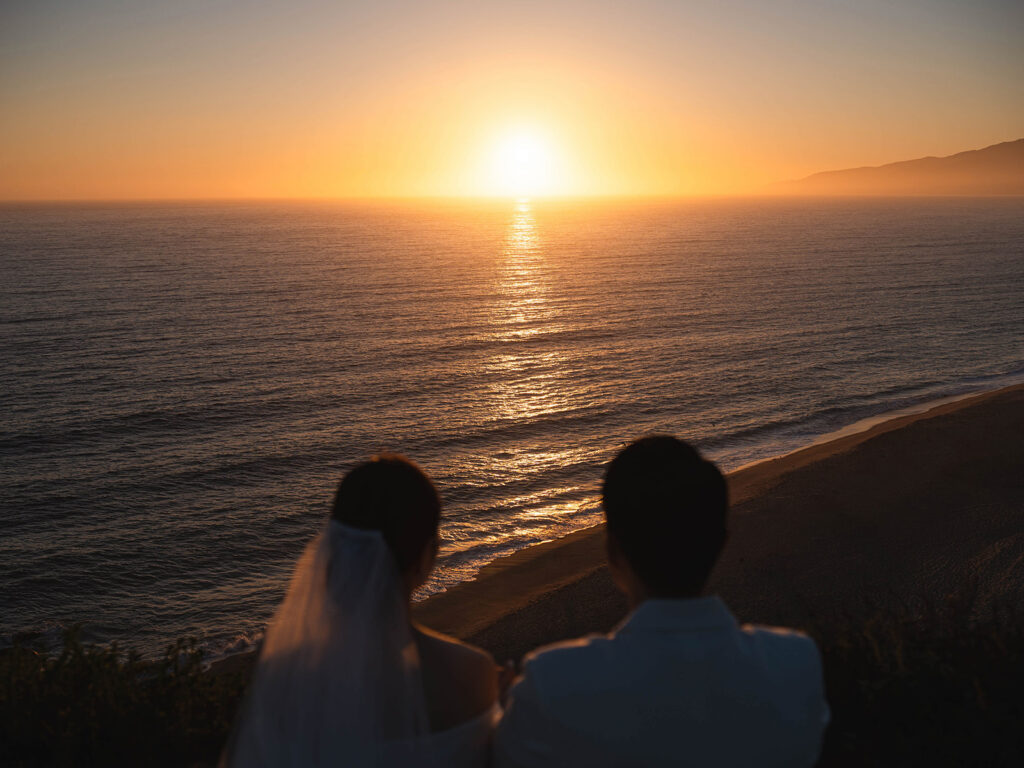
x: 638, y: 197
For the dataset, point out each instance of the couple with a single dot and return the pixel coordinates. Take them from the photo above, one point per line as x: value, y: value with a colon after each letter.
x: 346, y: 679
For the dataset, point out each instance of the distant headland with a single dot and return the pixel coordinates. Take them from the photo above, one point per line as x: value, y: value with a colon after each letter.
x: 994, y: 170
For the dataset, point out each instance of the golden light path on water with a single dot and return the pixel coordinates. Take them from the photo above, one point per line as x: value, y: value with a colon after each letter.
x: 532, y: 378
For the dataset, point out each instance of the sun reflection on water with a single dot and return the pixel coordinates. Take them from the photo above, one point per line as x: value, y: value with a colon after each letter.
x: 524, y: 307
x: 533, y: 377
x: 528, y: 375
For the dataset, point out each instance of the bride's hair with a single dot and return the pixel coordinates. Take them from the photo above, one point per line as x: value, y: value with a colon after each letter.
x: 390, y: 494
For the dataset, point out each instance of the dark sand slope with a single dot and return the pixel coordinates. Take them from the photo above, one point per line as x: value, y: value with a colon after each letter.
x: 916, y: 506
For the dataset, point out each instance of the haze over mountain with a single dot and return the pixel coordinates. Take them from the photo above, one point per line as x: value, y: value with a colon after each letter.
x: 994, y: 170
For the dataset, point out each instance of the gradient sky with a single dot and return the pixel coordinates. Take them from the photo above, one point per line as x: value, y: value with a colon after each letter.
x: 220, y: 98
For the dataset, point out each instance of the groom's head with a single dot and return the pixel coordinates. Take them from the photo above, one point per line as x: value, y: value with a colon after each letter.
x: 666, y: 513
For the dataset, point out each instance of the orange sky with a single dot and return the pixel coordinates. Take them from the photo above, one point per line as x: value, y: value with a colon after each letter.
x: 116, y: 99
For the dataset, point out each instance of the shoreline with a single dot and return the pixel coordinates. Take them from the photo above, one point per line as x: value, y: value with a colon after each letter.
x: 954, y: 392
x: 816, y: 556
x: 866, y: 423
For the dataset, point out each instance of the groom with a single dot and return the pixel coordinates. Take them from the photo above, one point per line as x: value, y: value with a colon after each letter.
x: 679, y: 682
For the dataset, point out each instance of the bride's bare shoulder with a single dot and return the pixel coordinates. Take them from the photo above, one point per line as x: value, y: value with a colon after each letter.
x: 460, y: 680
x: 454, y: 655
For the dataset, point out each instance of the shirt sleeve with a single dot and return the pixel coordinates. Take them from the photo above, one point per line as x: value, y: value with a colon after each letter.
x: 521, y: 740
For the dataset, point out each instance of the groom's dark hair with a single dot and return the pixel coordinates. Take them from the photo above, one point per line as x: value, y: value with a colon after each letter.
x: 665, y: 508
x: 392, y: 495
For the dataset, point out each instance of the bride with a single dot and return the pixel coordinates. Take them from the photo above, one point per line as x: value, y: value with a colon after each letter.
x: 344, y: 677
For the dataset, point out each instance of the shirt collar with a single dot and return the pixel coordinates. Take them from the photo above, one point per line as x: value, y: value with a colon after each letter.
x: 699, y: 613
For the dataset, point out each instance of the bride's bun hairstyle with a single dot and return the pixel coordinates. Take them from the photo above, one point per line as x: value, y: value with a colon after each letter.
x: 666, y: 506
x: 390, y: 494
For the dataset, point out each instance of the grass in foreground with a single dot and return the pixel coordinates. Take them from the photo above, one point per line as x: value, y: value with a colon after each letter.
x: 934, y: 686
x: 939, y: 685
x: 93, y: 705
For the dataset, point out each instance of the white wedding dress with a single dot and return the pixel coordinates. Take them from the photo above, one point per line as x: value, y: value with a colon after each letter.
x: 338, y: 680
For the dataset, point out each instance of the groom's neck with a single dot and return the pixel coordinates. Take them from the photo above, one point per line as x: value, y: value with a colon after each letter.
x: 635, y: 597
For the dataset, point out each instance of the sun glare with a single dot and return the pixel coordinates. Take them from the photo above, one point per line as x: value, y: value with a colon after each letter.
x: 523, y: 163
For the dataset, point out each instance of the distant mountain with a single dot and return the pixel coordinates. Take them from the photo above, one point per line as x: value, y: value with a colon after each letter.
x: 995, y: 170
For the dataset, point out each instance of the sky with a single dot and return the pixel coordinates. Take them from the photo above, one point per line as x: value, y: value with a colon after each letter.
x: 109, y: 99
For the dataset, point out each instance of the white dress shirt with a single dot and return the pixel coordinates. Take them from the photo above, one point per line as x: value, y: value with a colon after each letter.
x: 678, y: 683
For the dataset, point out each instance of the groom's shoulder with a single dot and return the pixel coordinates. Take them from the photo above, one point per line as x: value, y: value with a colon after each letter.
x: 567, y: 657
x: 587, y: 644
x: 787, y: 651
x: 780, y: 641
x: 784, y: 653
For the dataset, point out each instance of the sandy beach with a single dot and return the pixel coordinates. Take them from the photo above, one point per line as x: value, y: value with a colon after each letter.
x: 914, y: 507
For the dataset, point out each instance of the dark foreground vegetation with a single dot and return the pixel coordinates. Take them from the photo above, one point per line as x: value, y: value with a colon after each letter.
x: 935, y: 686
x: 931, y: 686
x: 95, y: 706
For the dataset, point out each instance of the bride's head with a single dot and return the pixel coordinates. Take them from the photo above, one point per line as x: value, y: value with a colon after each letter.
x: 391, y: 494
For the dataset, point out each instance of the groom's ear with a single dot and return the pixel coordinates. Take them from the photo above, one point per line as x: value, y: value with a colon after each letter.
x: 622, y: 572
x: 613, y: 551
x: 616, y: 561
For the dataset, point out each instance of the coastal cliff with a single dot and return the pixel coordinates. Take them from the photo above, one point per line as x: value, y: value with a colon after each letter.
x: 994, y: 170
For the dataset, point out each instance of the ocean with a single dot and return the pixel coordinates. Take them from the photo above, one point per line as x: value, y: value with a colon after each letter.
x: 183, y: 384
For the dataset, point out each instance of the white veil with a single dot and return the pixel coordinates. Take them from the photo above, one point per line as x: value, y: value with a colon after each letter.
x: 338, y: 675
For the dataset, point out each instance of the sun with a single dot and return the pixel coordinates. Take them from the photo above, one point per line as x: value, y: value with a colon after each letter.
x: 523, y: 163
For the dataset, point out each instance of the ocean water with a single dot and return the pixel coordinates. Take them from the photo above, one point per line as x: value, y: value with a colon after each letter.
x: 183, y: 384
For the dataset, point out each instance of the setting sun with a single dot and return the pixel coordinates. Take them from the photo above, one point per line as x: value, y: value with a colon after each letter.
x: 524, y: 162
